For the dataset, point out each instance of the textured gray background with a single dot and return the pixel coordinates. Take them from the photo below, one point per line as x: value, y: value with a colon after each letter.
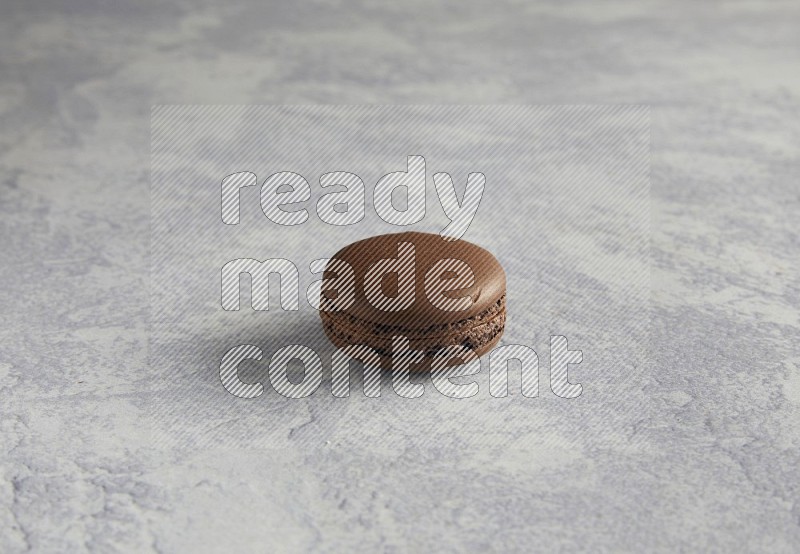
x: 710, y: 464
x: 565, y: 210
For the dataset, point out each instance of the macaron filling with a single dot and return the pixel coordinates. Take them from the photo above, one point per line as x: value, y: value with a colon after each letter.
x: 473, y: 332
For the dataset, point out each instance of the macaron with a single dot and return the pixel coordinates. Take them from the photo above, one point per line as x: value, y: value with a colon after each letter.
x: 436, y: 293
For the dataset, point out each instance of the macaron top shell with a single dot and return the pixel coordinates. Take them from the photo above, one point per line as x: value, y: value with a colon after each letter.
x: 488, y: 287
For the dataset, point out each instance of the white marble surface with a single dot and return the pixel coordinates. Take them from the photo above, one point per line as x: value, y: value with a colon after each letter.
x: 702, y: 457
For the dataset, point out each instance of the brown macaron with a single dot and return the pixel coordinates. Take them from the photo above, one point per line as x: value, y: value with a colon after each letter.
x: 435, y: 292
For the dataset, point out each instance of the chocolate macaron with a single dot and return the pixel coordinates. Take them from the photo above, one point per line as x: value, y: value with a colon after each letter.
x: 437, y: 293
